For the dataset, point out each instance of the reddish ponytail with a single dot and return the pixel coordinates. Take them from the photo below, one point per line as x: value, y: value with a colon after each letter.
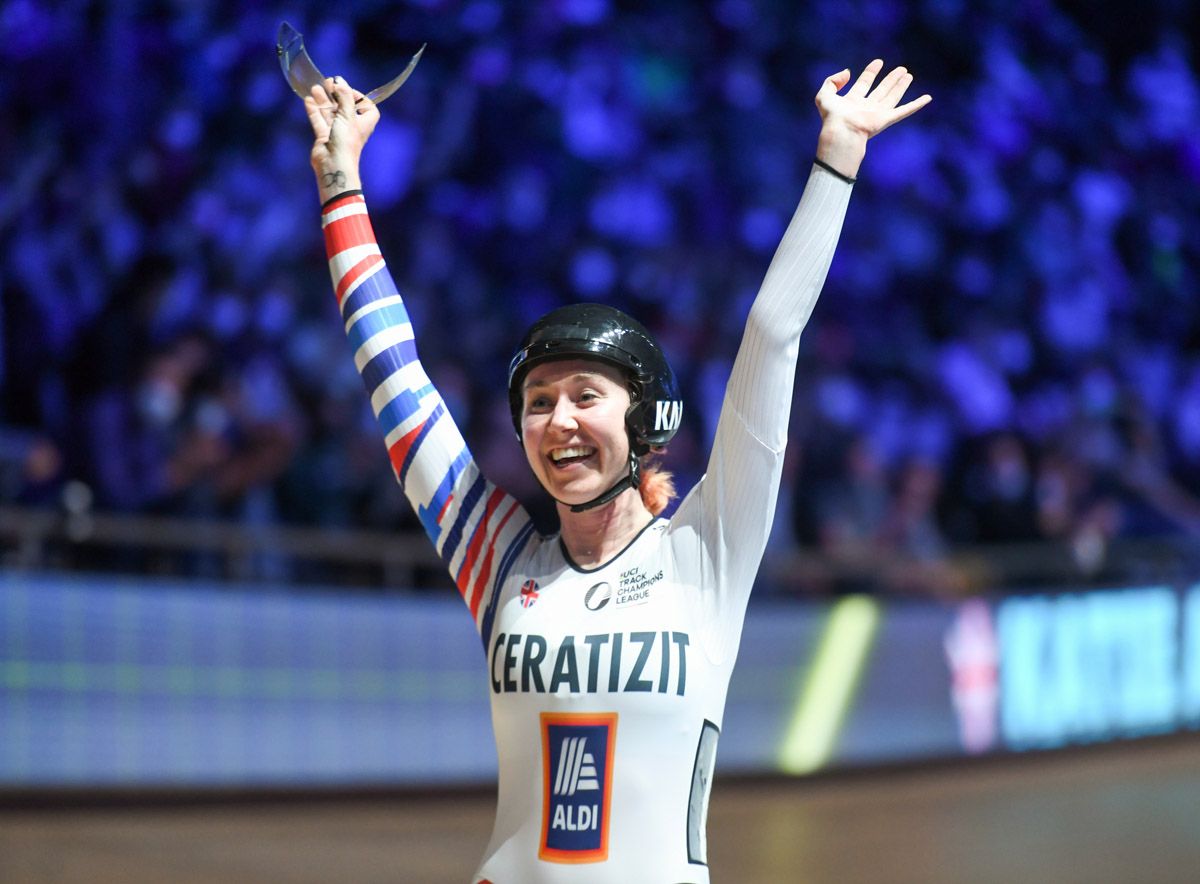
x: 657, y: 488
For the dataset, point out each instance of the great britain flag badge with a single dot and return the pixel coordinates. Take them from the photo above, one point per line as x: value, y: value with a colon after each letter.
x: 529, y: 593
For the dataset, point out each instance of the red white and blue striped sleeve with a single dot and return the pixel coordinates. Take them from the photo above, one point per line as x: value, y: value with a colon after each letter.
x: 477, y: 529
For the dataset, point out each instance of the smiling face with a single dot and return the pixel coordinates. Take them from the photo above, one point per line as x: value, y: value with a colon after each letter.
x: 573, y: 427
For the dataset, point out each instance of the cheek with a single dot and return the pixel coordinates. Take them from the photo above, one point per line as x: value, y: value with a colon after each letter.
x: 617, y: 434
x: 530, y: 438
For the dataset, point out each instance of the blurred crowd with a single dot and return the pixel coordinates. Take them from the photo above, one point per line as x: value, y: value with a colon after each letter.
x: 1007, y: 349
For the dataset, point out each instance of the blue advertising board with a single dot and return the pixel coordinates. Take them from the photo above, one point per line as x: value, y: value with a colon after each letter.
x: 110, y: 682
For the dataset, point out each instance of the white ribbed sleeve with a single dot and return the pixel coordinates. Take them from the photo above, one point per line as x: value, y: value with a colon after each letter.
x: 721, y: 528
x: 760, y: 386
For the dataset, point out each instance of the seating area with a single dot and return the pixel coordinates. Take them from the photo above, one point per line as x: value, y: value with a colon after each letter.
x: 1006, y: 351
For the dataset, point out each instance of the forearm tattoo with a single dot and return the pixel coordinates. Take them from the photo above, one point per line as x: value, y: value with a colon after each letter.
x: 333, y: 179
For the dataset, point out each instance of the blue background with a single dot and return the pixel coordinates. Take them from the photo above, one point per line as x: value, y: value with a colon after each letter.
x: 1007, y: 344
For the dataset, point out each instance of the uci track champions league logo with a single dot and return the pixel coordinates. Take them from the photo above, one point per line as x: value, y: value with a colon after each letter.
x: 577, y: 775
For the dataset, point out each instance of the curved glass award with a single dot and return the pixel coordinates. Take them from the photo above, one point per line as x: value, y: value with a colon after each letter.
x: 302, y: 74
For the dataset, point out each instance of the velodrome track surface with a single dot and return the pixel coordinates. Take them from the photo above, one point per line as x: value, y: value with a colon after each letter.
x: 1113, y: 814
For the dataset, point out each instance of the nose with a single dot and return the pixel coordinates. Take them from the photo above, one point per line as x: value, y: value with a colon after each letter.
x: 563, y: 416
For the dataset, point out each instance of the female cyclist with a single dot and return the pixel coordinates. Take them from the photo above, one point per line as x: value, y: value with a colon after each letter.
x: 610, y: 645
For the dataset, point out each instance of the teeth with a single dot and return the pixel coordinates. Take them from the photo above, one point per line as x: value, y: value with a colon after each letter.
x: 562, y: 453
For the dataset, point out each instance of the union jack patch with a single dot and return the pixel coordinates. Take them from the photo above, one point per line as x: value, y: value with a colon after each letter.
x: 529, y: 593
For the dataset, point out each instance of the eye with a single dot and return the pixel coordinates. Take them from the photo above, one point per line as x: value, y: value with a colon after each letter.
x: 537, y: 403
x: 588, y: 397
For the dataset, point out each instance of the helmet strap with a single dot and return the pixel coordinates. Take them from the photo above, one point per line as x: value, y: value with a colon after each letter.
x: 630, y: 481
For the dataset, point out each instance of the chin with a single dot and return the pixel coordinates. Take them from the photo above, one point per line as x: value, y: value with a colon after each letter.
x: 575, y: 493
x: 574, y: 497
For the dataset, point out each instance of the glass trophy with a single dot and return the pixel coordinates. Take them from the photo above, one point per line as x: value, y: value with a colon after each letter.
x: 302, y: 74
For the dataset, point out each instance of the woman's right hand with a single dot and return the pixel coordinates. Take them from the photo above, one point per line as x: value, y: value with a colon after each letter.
x: 342, y: 120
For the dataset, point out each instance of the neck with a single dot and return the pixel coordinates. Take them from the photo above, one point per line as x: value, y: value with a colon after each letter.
x: 594, y: 536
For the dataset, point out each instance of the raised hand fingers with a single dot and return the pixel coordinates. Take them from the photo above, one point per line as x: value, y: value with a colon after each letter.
x: 342, y: 94
x: 907, y: 110
x: 367, y: 110
x: 835, y: 82
x: 320, y: 98
x: 892, y: 87
x: 904, y: 110
x: 320, y: 111
x: 348, y: 101
x: 830, y: 88
x: 863, y: 84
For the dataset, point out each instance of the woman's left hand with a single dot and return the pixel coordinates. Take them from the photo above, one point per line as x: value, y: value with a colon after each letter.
x: 849, y: 119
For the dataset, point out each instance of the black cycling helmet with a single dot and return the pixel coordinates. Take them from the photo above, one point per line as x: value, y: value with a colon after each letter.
x: 597, y: 331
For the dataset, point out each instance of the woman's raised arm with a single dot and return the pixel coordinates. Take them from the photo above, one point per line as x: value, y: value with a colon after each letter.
x: 475, y: 527
x: 738, y: 493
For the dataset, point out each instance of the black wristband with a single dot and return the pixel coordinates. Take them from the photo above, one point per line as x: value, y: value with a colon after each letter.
x: 832, y: 171
x: 342, y: 195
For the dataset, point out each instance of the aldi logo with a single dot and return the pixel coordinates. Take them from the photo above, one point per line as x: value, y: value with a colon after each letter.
x: 577, y: 768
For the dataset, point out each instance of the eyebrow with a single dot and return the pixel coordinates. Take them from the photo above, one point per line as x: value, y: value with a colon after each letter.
x: 577, y: 377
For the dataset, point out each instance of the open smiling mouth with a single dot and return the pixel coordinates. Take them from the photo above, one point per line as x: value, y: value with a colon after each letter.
x: 565, y: 457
